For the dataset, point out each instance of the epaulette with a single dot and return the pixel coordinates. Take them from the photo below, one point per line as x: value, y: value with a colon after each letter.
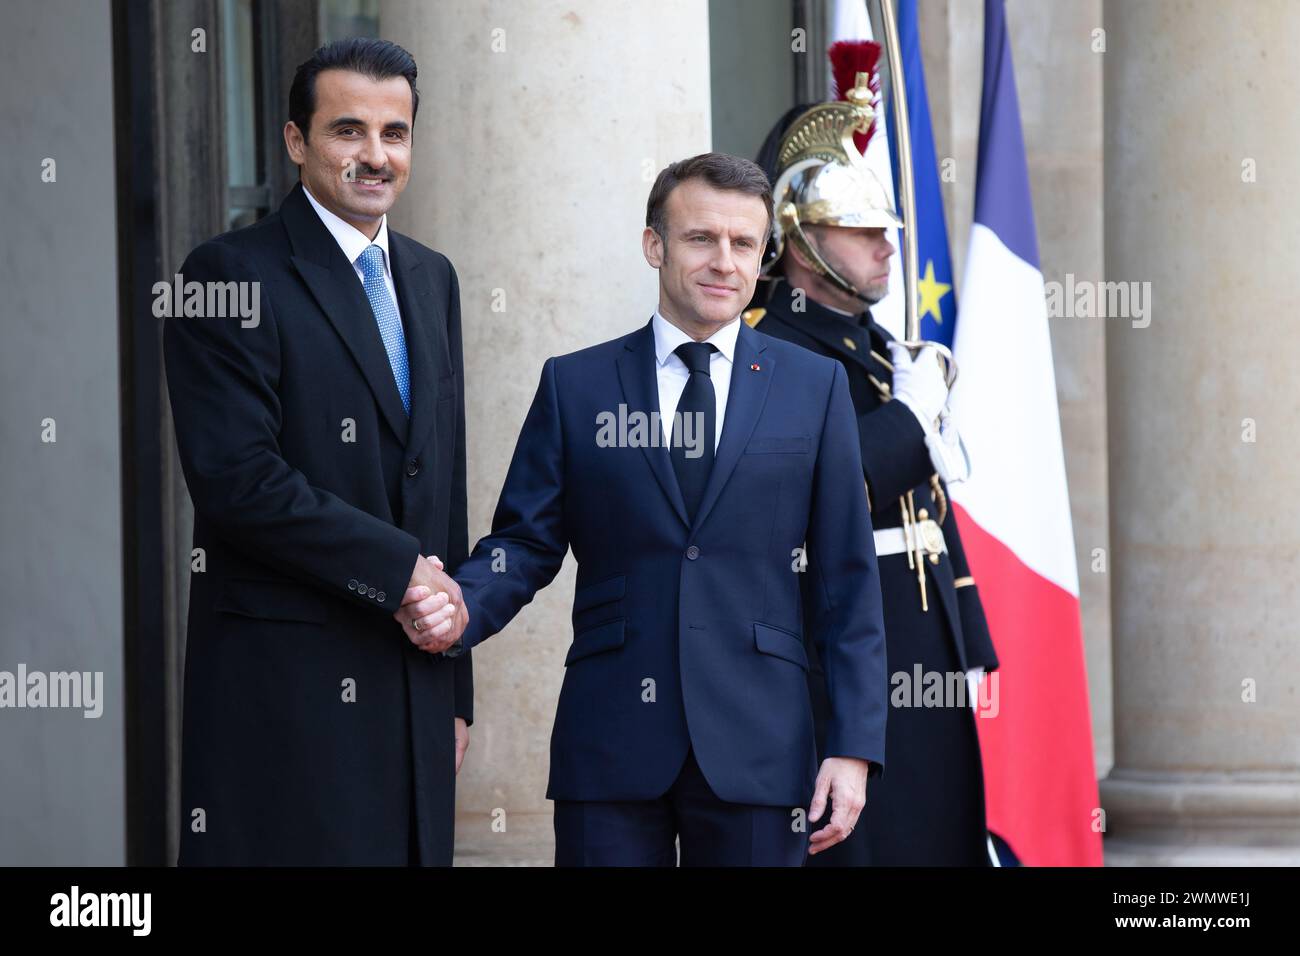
x: 753, y: 316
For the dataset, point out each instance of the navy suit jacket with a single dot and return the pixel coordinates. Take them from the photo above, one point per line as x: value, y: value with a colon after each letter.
x: 690, y: 634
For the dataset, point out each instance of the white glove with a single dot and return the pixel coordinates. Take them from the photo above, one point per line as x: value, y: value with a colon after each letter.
x: 919, y: 383
x: 974, y: 677
x: 947, y: 452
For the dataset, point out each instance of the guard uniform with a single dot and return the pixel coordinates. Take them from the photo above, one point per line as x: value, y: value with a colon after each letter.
x: 928, y: 807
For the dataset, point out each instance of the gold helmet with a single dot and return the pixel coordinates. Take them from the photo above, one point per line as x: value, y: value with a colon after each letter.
x: 822, y: 179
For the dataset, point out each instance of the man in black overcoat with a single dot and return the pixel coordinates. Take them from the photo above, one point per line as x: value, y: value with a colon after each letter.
x: 314, y: 368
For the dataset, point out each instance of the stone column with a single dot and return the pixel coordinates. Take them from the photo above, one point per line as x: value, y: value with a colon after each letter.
x: 541, y: 128
x: 1201, y: 154
x: 64, y: 777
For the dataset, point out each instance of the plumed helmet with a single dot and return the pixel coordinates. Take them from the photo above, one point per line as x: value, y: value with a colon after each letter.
x: 819, y: 174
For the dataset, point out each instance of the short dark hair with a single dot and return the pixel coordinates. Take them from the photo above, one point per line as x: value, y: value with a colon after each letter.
x: 720, y: 171
x: 377, y: 59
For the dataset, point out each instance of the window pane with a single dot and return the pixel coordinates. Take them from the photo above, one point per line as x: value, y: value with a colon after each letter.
x: 241, y: 92
x: 241, y: 216
x: 348, y: 18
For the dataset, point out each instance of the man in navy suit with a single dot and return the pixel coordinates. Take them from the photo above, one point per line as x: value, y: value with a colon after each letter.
x: 709, y: 481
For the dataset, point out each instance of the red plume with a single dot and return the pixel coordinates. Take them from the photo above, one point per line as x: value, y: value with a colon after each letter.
x: 848, y: 59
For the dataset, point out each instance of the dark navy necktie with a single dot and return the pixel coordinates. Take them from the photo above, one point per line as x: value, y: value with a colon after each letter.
x: 694, y: 425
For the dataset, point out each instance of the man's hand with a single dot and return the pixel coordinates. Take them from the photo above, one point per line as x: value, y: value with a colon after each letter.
x: 462, y: 740
x: 844, y: 780
x: 433, y: 612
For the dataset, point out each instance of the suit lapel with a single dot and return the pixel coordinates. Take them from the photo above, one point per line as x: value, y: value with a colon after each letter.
x: 424, y: 343
x: 334, y: 285
x: 636, y: 373
x: 745, y: 402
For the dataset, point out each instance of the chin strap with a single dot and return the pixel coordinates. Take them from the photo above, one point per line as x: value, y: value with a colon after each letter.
x: 789, y: 219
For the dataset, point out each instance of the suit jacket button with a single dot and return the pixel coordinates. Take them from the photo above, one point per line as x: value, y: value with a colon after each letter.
x: 370, y: 593
x: 413, y: 467
x: 692, y: 552
x: 352, y: 585
x: 381, y: 597
x: 361, y: 589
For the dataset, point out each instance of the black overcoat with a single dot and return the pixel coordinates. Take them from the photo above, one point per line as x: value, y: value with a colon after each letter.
x: 313, y: 732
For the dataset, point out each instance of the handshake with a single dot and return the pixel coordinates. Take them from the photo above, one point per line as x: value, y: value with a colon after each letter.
x: 433, y: 611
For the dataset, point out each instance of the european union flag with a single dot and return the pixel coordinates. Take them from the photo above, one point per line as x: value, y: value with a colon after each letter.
x: 936, y: 298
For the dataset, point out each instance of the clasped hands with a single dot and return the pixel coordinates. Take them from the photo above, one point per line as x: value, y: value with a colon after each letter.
x: 433, y: 614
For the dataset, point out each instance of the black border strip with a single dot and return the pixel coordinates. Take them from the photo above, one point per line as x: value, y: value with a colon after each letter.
x: 140, y: 376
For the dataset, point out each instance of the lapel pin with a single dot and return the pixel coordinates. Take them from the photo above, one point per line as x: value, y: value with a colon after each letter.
x: 754, y: 367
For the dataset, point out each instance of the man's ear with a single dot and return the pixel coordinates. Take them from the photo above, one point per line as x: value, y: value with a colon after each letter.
x: 653, y: 247
x: 294, y: 143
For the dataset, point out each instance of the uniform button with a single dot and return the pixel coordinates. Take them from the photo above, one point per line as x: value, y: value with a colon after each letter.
x: 370, y: 593
x: 381, y: 597
x: 692, y: 552
x: 413, y: 467
x: 352, y: 585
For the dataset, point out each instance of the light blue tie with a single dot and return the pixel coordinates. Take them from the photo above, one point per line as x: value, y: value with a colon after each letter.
x: 371, y: 261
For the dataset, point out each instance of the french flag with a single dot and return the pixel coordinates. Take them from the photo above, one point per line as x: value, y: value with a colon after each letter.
x: 1014, y: 511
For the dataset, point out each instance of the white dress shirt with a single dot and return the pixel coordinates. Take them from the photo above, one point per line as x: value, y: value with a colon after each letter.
x: 353, y: 242
x: 672, y: 373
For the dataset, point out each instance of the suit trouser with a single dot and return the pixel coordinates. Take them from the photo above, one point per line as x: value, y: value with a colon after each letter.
x: 413, y: 837
x: 644, y: 832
